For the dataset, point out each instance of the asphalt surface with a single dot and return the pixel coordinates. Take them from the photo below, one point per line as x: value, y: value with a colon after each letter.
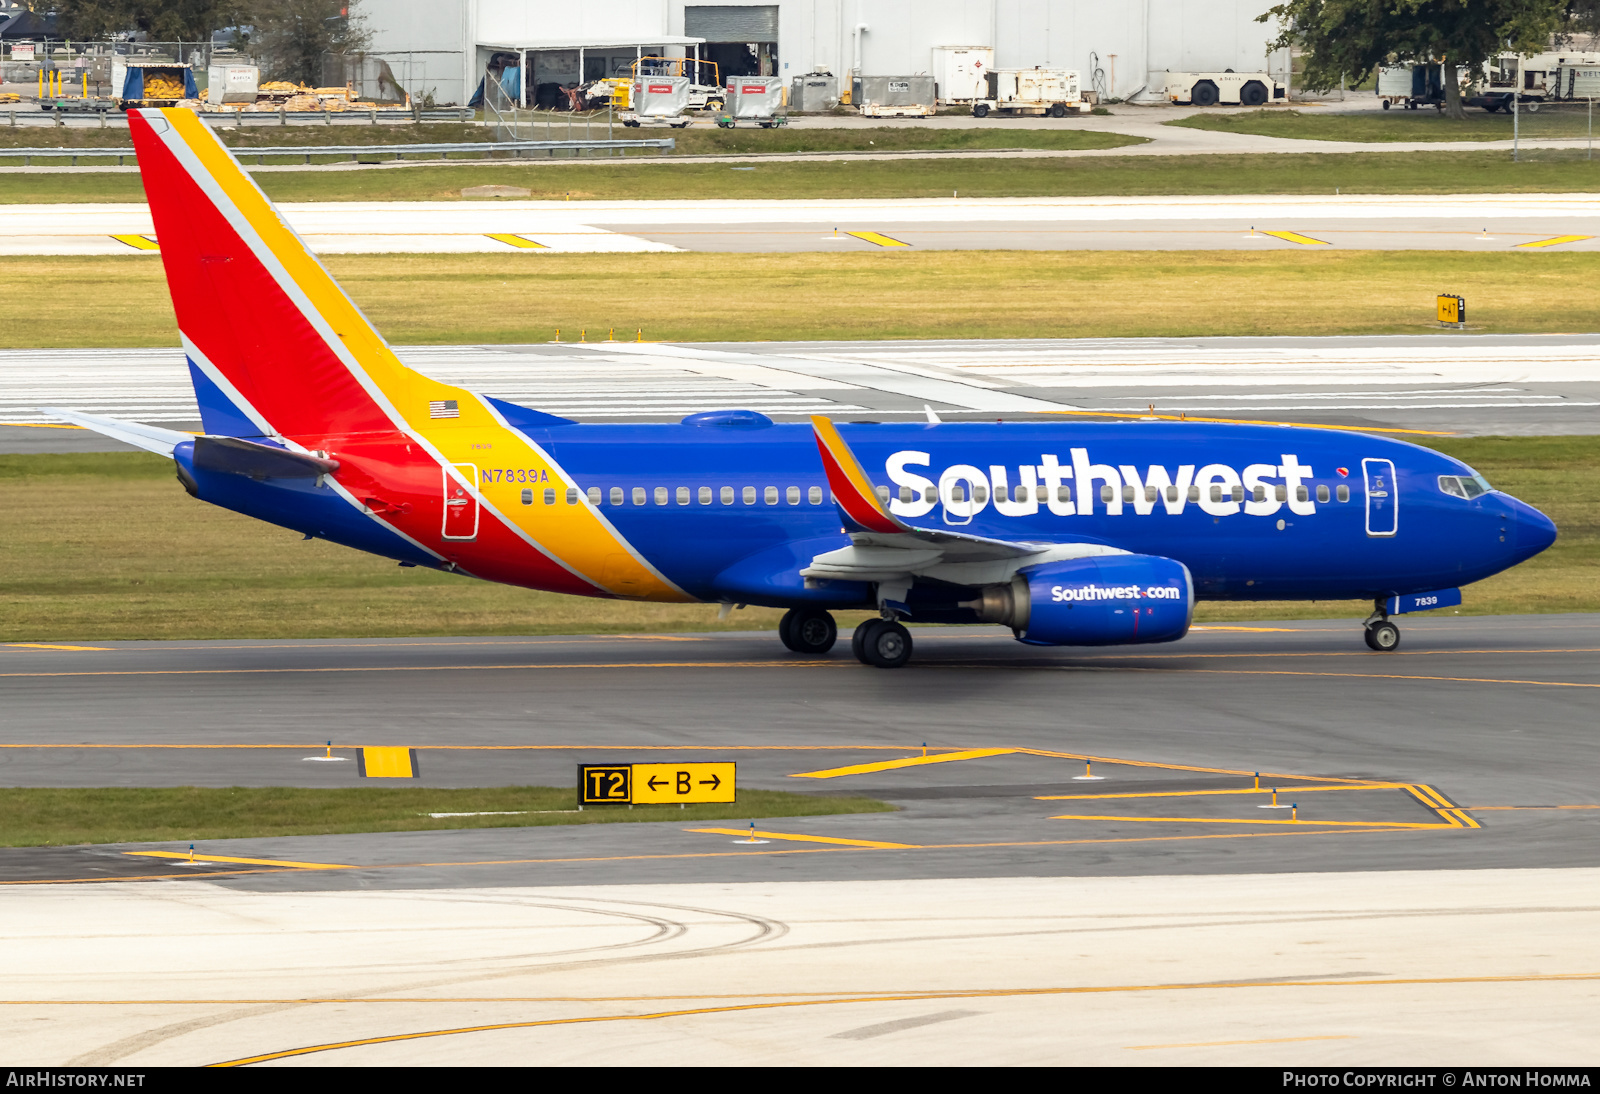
x: 1494, y: 715
x: 1450, y: 382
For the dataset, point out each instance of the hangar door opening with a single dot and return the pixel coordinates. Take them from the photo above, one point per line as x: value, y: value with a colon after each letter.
x: 742, y: 39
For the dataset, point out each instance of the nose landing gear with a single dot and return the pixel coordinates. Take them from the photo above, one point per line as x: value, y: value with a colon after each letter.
x: 1381, y: 635
x: 808, y: 630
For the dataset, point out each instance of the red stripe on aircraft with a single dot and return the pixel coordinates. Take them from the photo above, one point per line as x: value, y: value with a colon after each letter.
x: 859, y: 509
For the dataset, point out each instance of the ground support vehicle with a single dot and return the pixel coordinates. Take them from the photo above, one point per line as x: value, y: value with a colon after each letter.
x: 1576, y: 83
x: 78, y: 106
x: 658, y: 100
x: 1227, y: 87
x: 959, y: 72
x: 1020, y: 91
x: 757, y: 99
x: 1411, y: 86
x: 152, y: 83
x: 893, y: 96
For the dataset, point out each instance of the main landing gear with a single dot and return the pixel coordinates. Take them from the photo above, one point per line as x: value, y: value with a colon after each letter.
x: 882, y: 643
x: 1381, y: 635
x: 808, y: 630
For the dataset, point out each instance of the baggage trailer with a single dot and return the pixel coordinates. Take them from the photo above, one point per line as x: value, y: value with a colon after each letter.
x: 1227, y: 87
x: 756, y: 99
x: 893, y: 96
x: 658, y: 100
x: 1022, y: 91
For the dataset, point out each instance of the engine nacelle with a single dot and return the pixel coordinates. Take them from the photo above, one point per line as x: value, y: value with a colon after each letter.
x: 1107, y: 600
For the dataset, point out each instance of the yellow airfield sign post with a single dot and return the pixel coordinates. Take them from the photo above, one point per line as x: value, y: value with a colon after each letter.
x: 656, y: 784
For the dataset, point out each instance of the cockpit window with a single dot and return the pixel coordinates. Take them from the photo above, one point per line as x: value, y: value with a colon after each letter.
x: 1464, y: 486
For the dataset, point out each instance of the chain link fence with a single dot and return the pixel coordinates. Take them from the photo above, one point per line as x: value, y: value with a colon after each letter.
x: 510, y: 122
x: 1552, y: 130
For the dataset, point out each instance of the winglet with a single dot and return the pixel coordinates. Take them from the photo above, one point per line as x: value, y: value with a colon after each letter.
x: 858, y: 502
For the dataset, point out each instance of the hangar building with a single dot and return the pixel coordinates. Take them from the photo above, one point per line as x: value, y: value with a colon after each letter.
x: 1120, y: 46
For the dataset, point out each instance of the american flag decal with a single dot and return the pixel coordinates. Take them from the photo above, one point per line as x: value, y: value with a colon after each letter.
x: 444, y: 408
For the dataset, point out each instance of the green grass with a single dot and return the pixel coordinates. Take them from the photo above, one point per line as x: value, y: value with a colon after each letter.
x: 122, y: 301
x: 104, y: 547
x: 54, y: 816
x: 1392, y: 125
x: 1300, y: 173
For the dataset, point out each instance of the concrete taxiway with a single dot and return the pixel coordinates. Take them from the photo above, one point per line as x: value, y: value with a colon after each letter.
x: 1487, y: 223
x: 1452, y: 382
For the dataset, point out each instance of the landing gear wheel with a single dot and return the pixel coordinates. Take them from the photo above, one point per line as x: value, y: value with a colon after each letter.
x: 808, y: 630
x: 1383, y: 636
x: 886, y: 646
x: 858, y: 640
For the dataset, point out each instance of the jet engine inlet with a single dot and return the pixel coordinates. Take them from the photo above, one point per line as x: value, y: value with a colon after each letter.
x: 1007, y: 604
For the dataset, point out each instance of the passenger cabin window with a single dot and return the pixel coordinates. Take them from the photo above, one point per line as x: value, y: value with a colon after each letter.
x: 1127, y: 493
x: 1063, y: 493
x: 792, y: 495
x: 1238, y: 493
x: 1172, y: 493
x: 930, y: 494
x: 770, y: 495
x: 1322, y: 493
x: 638, y: 495
x: 1000, y: 493
x: 814, y: 496
x: 905, y: 494
x: 661, y: 495
x: 1282, y: 492
x: 572, y: 495
x: 1343, y: 492
x: 550, y: 496
x: 749, y: 495
x: 527, y: 497
x: 1302, y: 494
x: 958, y: 493
x: 1106, y: 493
x: 616, y: 495
x: 727, y: 495
x: 980, y: 493
x: 594, y: 495
x: 683, y: 495
x: 1194, y: 493
x: 1216, y: 493
x: 1260, y: 494
x: 705, y: 495
x: 883, y: 494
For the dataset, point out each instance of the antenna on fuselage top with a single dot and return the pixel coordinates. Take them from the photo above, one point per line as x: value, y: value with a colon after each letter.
x: 933, y: 419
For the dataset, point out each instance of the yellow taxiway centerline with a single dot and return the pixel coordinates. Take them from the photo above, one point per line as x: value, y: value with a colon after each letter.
x: 184, y: 856
x: 887, y: 997
x: 43, y: 646
x: 909, y: 761
x: 793, y: 838
x: 138, y: 243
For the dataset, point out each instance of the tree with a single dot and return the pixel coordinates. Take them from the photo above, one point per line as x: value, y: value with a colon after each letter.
x: 289, y: 37
x: 162, y: 20
x: 1351, y: 37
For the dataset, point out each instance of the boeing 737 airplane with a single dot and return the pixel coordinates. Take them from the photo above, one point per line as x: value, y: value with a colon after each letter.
x: 1070, y: 534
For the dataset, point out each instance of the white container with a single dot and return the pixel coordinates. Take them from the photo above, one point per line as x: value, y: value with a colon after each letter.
x: 814, y: 92
x: 754, y: 97
x: 1394, y: 81
x: 232, y: 83
x: 660, y: 96
x: 959, y: 72
x: 1579, y: 81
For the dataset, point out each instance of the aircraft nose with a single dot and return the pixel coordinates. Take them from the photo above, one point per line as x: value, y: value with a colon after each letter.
x: 1533, y: 530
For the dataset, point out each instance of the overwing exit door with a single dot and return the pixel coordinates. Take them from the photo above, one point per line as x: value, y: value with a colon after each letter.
x: 1383, y: 498
x: 460, y: 503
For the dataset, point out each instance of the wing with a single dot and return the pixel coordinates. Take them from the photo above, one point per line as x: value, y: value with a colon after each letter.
x: 883, y: 548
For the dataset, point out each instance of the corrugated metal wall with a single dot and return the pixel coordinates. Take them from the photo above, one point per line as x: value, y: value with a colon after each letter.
x: 732, y: 23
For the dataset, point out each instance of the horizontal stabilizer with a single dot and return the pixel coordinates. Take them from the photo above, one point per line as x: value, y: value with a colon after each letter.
x: 151, y: 438
x: 235, y: 456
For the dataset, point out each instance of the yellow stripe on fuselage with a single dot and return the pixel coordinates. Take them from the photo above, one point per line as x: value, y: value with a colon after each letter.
x: 574, y: 534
